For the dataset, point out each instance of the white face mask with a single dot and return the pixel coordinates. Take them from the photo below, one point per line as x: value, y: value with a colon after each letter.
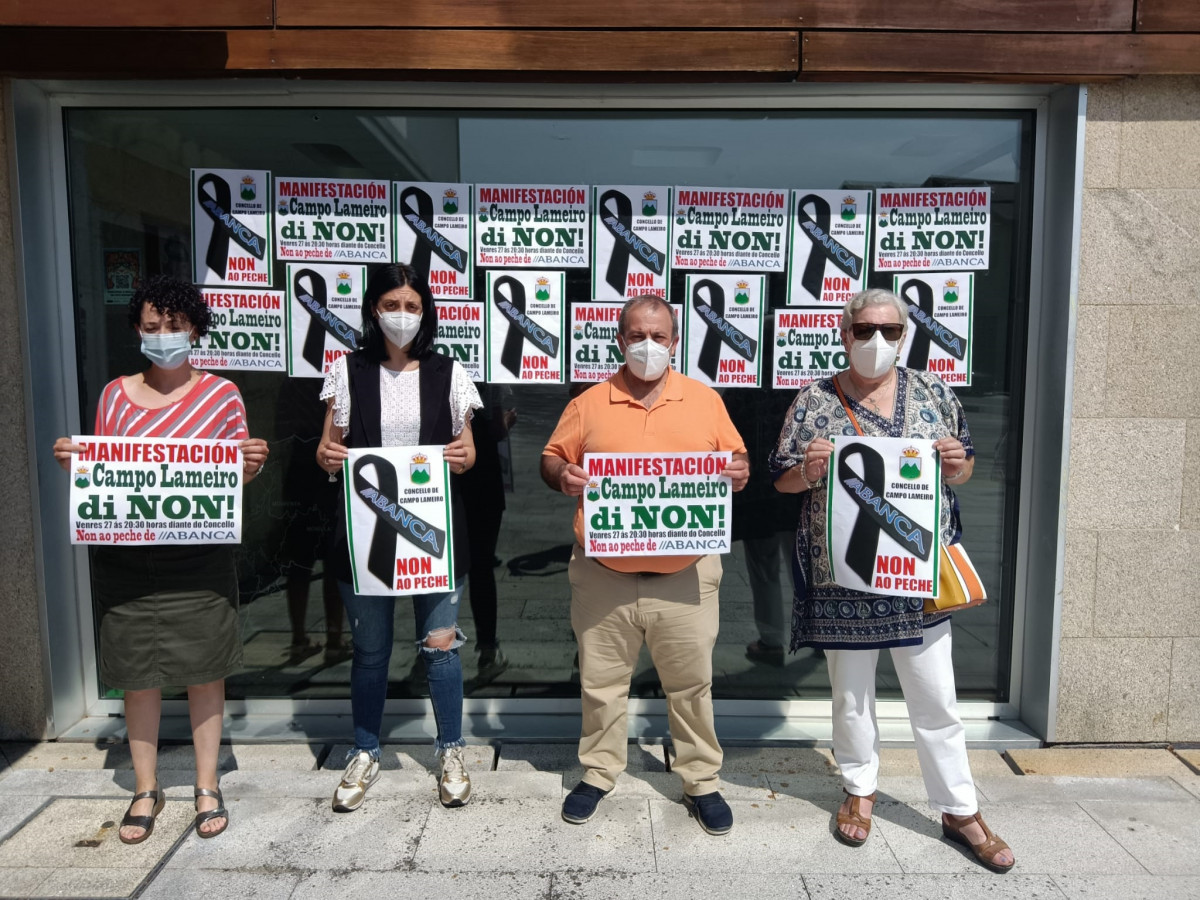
x: 647, y: 359
x: 873, y: 358
x: 167, y: 349
x: 400, y: 327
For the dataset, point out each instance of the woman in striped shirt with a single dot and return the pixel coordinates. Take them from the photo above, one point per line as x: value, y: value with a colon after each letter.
x: 168, y: 615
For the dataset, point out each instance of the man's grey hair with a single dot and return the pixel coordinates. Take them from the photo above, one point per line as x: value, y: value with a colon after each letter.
x: 873, y: 297
x: 644, y: 300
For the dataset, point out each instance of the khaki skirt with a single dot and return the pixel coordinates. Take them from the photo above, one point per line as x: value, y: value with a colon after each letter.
x: 167, y: 615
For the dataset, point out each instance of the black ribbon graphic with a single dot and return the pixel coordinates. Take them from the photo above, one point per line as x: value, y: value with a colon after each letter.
x: 928, y: 328
x: 627, y: 244
x: 394, y: 520
x: 429, y: 239
x: 864, y: 536
x: 824, y: 247
x: 324, y: 320
x: 520, y: 327
x: 719, y: 331
x: 226, y: 226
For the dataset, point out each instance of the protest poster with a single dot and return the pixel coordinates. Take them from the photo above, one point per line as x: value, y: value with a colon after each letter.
x: 730, y: 229
x: 941, y: 318
x: 631, y: 237
x: 141, y: 491
x: 540, y: 226
x: 827, y: 253
x: 324, y: 316
x: 333, y: 219
x: 883, y: 504
x: 595, y: 355
x: 231, y: 227
x: 808, y: 346
x: 245, y: 331
x: 932, y: 229
x: 525, y: 313
x: 460, y: 335
x: 122, y: 275
x: 722, y: 329
x: 668, y: 504
x: 432, y: 225
x: 398, y: 520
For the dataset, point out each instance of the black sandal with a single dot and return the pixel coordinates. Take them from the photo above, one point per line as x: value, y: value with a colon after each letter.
x: 219, y: 813
x: 146, y: 823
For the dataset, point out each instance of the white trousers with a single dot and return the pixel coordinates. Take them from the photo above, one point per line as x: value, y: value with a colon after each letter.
x: 927, y: 680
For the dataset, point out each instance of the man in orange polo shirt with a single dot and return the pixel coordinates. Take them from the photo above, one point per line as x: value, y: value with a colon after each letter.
x: 668, y: 602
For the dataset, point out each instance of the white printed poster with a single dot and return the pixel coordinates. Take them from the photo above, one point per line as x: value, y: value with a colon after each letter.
x: 526, y: 317
x: 730, y: 229
x: 808, y: 346
x: 943, y: 229
x: 155, y: 491
x: 460, y: 336
x: 231, y: 227
x: 595, y: 355
x: 433, y: 234
x: 324, y: 316
x: 829, y: 237
x: 723, y: 329
x: 540, y: 226
x: 398, y: 520
x: 941, y: 317
x: 662, y: 504
x: 883, y: 506
x: 631, y: 236
x: 333, y: 219
x: 246, y: 331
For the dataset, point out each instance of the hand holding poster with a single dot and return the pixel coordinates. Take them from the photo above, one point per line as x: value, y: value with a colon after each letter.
x: 940, y: 322
x: 231, y: 227
x: 398, y: 520
x: 668, y: 504
x: 142, y: 491
x: 245, y: 331
x: 723, y: 328
x: 631, y: 232
x: 883, y: 504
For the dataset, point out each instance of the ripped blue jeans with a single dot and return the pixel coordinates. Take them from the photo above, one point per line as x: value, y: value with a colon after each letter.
x: 371, y: 625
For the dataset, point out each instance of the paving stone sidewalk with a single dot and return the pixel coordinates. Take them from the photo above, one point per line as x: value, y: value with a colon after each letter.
x: 1106, y: 823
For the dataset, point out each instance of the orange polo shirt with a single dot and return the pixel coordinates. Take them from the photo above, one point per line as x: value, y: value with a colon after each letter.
x: 688, y: 417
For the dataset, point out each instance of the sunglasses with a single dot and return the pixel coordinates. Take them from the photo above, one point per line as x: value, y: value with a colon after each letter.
x: 863, y: 331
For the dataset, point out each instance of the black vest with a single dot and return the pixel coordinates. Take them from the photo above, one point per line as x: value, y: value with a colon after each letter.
x: 434, y: 378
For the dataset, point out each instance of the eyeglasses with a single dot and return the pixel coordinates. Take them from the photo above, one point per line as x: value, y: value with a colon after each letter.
x: 863, y: 331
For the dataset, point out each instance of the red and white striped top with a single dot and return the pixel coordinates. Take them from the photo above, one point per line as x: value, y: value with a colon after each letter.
x: 212, y: 409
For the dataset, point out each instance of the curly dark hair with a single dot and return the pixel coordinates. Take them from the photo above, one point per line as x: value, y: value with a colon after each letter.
x: 171, y: 296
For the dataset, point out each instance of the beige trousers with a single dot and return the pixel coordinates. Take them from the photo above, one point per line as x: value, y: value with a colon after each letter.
x: 676, y: 616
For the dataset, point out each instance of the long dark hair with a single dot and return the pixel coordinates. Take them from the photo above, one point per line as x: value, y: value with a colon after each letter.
x: 388, y: 278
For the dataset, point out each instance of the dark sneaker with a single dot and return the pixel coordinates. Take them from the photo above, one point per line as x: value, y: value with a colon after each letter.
x: 580, y: 805
x: 711, y: 811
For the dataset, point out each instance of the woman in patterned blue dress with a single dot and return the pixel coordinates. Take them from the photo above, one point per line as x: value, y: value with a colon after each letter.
x: 851, y: 626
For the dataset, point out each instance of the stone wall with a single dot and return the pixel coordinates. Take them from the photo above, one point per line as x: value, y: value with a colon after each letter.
x: 22, y: 689
x: 1130, y: 652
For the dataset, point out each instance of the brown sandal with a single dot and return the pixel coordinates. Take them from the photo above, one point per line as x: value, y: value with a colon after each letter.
x: 853, y: 818
x: 986, y: 851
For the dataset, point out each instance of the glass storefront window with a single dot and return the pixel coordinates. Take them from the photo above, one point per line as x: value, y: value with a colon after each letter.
x: 128, y: 173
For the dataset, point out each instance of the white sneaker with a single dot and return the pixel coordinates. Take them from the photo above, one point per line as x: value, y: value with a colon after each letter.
x: 455, y: 785
x: 360, y: 774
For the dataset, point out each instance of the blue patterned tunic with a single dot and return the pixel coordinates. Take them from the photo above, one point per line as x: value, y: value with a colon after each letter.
x: 824, y: 614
